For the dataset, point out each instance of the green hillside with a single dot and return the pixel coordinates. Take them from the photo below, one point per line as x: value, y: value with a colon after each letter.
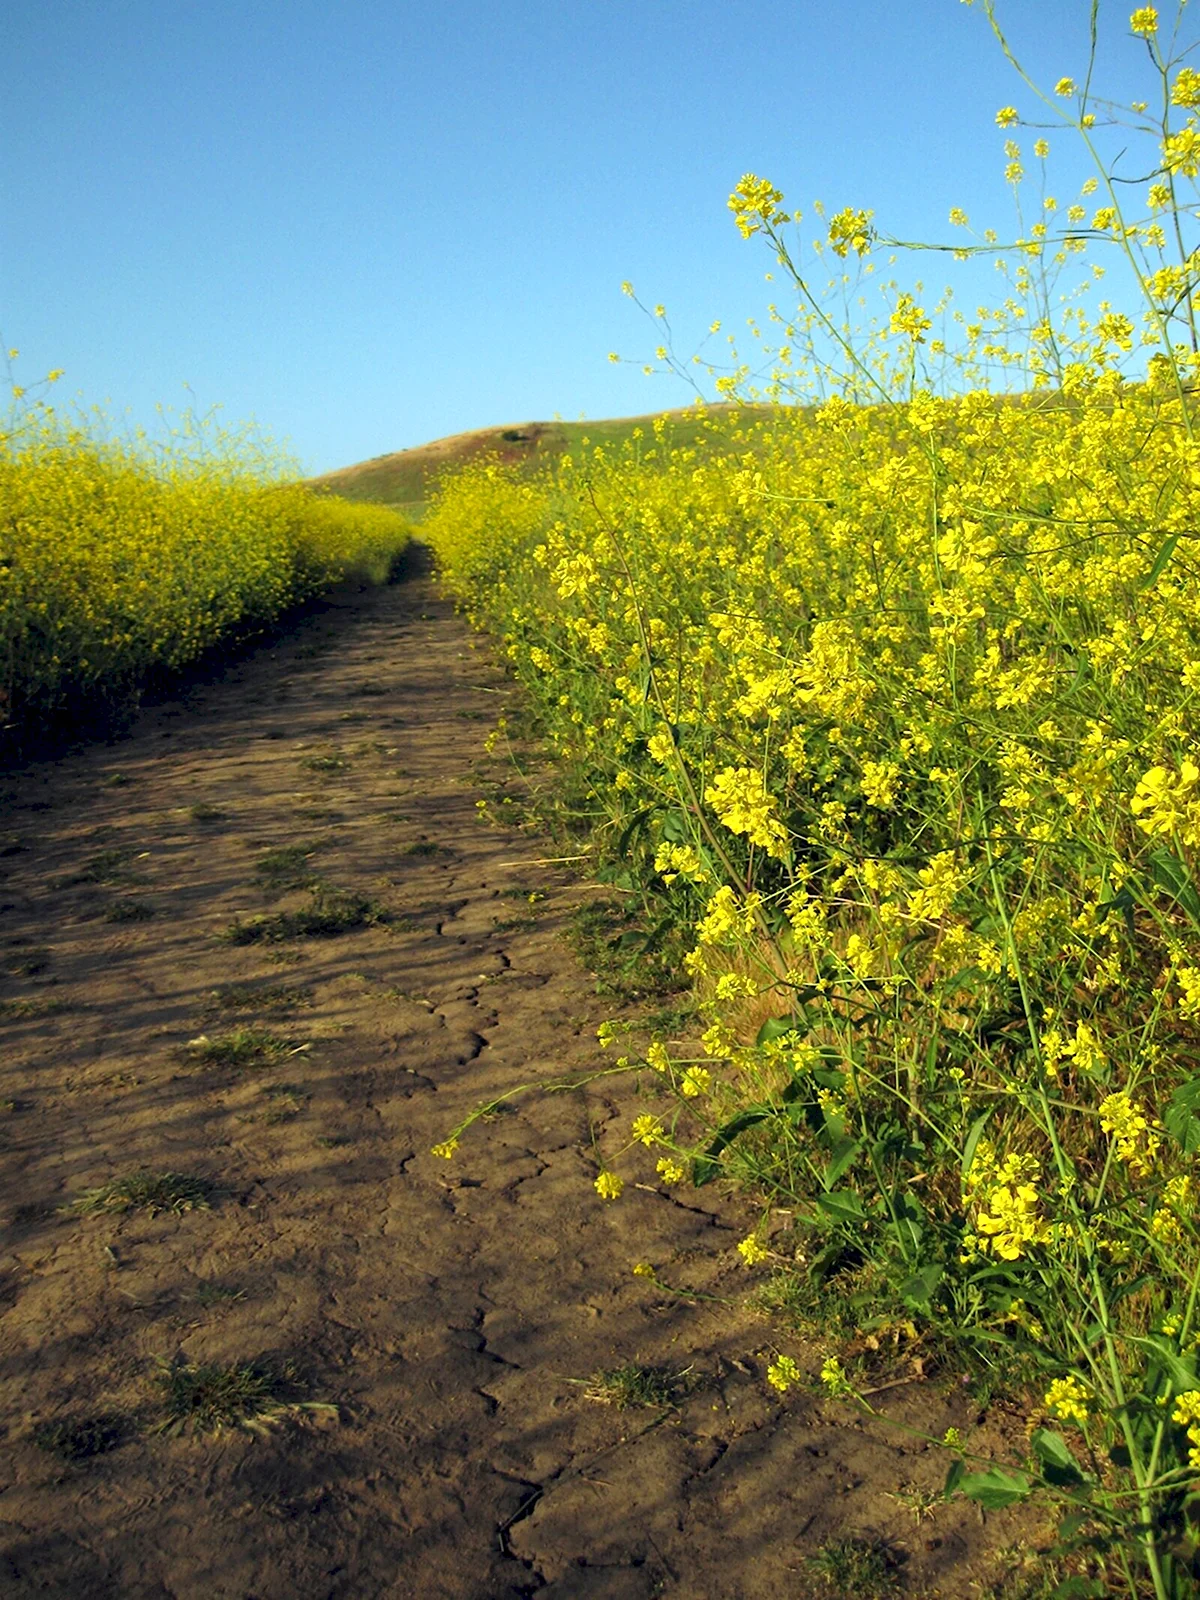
x: 403, y: 478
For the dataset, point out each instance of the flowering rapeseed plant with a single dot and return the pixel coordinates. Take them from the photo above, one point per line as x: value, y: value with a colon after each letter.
x: 883, y: 690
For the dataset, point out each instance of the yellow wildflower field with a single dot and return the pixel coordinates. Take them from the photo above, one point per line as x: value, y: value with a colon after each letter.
x: 117, y: 558
x: 887, y: 701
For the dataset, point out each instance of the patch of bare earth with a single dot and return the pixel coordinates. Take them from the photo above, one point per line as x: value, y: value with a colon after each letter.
x: 420, y: 1329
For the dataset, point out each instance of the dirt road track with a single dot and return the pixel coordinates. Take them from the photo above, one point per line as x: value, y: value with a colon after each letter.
x: 449, y: 1311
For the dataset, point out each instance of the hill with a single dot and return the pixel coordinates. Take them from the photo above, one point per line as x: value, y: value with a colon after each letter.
x: 403, y: 478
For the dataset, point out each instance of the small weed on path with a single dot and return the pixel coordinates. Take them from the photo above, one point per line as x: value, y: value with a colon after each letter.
x: 284, y: 1101
x: 632, y: 1385
x: 277, y: 997
x: 287, y: 866
x: 106, y: 867
x: 326, y: 763
x: 253, y: 1397
x: 203, y: 812
x: 215, y: 1293
x: 242, y: 1047
x: 40, y: 1006
x: 80, y: 1438
x: 145, y: 1191
x: 129, y: 911
x: 332, y: 911
x: 855, y: 1569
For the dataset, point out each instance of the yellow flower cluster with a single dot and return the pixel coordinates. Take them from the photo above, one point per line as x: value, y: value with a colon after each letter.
x: 884, y: 692
x: 739, y: 798
x: 1134, y: 1139
x: 1187, y: 1413
x: 1069, y: 1399
x: 1168, y: 803
x: 1007, y: 1216
x: 116, y: 559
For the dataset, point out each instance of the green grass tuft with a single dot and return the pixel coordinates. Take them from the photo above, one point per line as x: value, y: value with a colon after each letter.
x: 326, y: 763
x: 633, y: 1385
x: 241, y: 1047
x: 254, y: 1397
x: 203, y: 812
x: 855, y: 1569
x: 287, y: 866
x: 273, y: 997
x: 333, y: 911
x: 129, y: 911
x: 145, y: 1191
x: 80, y: 1438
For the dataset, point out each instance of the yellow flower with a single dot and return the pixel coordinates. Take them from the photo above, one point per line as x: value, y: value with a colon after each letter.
x: 1068, y: 1399
x: 1167, y: 802
x: 739, y: 798
x: 643, y: 1269
x: 752, y: 1251
x: 755, y: 204
x: 940, y: 882
x: 657, y: 1057
x: 1144, y: 21
x: 445, y: 1150
x: 833, y: 1376
x: 670, y: 1171
x: 1176, y: 1203
x: 609, y: 1186
x: 1006, y: 117
x: 1187, y: 1412
x: 1135, y: 1142
x: 695, y: 1081
x: 1065, y: 87
x: 851, y: 230
x: 647, y: 1129
x: 783, y: 1373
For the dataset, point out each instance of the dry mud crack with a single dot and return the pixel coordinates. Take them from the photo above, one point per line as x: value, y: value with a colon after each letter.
x: 447, y: 1311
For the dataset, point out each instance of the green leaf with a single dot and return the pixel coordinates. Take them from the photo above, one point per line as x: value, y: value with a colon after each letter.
x: 1180, y: 1371
x: 956, y: 1474
x: 998, y: 1487
x: 706, y: 1167
x: 843, y: 1206
x: 1059, y: 1466
x: 1123, y: 902
x: 1171, y: 874
x: 1181, y: 1117
x: 675, y: 829
x: 637, y: 822
x: 919, y: 1288
x: 1165, y: 551
x: 777, y: 1028
x: 843, y: 1159
x: 972, y: 1143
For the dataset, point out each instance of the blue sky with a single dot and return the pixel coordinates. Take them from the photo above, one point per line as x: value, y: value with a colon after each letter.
x: 369, y: 224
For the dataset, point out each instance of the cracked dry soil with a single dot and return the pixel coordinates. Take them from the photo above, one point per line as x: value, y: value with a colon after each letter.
x: 448, y: 1311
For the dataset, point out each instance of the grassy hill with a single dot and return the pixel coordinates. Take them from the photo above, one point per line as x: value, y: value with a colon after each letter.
x: 403, y: 478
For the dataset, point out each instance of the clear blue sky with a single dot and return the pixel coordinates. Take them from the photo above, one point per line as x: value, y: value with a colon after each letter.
x: 368, y: 224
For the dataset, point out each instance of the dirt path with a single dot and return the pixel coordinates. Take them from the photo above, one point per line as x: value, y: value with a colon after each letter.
x: 448, y: 1312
